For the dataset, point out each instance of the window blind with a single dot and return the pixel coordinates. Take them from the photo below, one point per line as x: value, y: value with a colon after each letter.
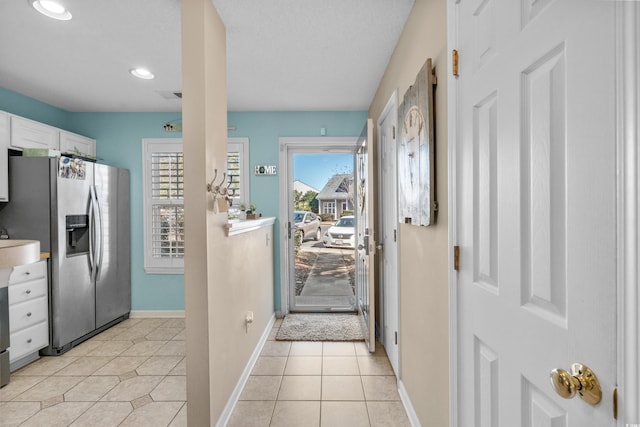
x: 167, y: 231
x: 167, y: 176
x: 234, y: 175
x: 167, y: 193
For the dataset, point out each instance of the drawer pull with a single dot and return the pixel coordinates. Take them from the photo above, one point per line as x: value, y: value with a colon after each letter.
x: 29, y: 341
x: 28, y: 291
x: 27, y: 273
x: 29, y: 314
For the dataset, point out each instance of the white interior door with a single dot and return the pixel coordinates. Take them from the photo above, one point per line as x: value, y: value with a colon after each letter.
x: 365, y: 243
x: 536, y: 197
x: 388, y: 208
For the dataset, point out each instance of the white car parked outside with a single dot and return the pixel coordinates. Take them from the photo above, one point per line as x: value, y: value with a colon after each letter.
x: 341, y: 235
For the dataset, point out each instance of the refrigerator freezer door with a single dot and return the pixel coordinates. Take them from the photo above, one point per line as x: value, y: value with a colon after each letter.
x: 72, y: 292
x: 113, y: 276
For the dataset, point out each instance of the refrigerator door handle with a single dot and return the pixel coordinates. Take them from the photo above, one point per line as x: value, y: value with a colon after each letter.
x: 96, y: 224
x: 100, y: 234
x: 92, y: 242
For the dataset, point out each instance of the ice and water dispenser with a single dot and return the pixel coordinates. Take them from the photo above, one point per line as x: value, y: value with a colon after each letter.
x: 77, y: 234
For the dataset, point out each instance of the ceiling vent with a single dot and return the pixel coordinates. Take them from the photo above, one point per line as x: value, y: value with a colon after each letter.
x: 170, y: 94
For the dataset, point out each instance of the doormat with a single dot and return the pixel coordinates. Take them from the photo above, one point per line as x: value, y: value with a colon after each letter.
x: 321, y: 327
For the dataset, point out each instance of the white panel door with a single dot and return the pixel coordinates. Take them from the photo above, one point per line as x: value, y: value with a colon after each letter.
x: 365, y: 237
x: 388, y: 197
x: 536, y: 202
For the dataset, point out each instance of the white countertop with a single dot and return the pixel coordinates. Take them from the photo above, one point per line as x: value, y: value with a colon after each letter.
x: 244, y: 226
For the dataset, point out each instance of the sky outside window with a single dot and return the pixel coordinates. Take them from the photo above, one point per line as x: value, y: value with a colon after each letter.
x: 316, y: 169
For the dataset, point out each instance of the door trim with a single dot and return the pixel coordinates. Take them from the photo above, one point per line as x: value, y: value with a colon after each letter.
x: 627, y: 51
x: 452, y: 161
x: 300, y: 144
x: 628, y: 193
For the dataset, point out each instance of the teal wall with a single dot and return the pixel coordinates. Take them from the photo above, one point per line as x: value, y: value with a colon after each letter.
x: 263, y: 130
x: 119, y: 137
x: 21, y: 105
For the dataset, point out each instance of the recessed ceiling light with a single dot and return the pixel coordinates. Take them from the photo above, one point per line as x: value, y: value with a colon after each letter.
x: 52, y: 9
x: 142, y: 73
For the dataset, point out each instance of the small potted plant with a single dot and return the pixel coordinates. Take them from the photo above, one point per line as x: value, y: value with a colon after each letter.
x: 251, y: 212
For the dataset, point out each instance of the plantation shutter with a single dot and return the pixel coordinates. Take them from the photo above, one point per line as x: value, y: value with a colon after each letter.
x: 167, y: 192
x: 163, y: 184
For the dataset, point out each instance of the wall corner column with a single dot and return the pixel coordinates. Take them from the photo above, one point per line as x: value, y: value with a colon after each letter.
x: 204, y: 118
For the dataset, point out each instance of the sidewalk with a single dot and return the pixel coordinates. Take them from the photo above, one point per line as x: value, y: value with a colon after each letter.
x: 328, y: 283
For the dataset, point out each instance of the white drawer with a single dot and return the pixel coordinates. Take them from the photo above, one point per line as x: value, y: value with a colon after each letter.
x: 26, y: 291
x: 28, y: 313
x: 28, y: 340
x: 27, y: 272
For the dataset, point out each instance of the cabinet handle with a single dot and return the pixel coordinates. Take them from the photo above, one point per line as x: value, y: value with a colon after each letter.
x: 29, y: 341
x: 27, y: 273
x: 28, y: 291
x: 29, y: 314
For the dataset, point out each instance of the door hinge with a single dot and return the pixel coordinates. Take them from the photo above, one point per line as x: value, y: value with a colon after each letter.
x: 456, y: 258
x: 454, y: 62
x: 393, y: 132
x: 615, y: 403
x: 395, y: 235
x: 396, y: 337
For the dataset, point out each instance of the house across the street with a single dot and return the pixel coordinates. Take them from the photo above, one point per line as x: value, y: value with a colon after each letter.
x: 337, y: 195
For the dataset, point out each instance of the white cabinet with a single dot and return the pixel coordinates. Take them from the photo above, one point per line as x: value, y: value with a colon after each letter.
x: 28, y: 312
x: 4, y: 156
x: 18, y: 133
x: 71, y: 143
x: 27, y: 133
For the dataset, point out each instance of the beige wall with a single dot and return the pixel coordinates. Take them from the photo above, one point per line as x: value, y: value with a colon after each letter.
x: 219, y: 288
x: 424, y: 342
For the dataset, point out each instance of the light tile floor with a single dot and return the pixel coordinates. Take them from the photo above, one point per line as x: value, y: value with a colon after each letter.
x: 133, y: 374
x: 329, y: 384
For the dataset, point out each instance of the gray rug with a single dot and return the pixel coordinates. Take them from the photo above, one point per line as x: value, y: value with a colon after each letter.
x: 320, y: 327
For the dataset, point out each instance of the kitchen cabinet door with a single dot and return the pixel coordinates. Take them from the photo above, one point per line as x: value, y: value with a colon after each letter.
x: 71, y: 143
x: 27, y: 133
x: 4, y: 156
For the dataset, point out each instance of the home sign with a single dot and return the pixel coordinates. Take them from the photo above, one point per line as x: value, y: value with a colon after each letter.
x: 264, y: 170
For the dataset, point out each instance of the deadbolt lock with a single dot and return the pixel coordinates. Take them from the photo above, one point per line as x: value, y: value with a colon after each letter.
x: 579, y: 380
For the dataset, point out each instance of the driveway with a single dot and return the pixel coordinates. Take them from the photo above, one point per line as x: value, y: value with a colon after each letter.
x: 329, y: 278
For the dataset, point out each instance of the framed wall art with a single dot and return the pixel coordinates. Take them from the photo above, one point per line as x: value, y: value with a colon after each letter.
x: 416, y: 149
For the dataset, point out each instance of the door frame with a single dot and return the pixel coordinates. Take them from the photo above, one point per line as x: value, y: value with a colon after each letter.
x: 300, y: 144
x: 627, y: 52
x: 390, y: 112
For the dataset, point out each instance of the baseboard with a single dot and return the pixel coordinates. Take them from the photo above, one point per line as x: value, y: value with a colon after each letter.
x: 406, y: 402
x: 225, y: 416
x: 165, y: 314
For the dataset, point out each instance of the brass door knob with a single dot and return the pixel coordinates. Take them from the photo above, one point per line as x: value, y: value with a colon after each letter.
x: 581, y: 380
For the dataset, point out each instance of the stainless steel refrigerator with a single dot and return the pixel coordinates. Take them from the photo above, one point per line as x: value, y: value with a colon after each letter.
x: 79, y: 211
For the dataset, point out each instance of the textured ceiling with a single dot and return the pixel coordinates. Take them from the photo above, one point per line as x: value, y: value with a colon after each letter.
x: 283, y: 55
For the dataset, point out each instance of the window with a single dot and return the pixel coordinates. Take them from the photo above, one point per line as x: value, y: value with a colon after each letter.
x: 238, y: 174
x: 163, y: 191
x: 329, y: 207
